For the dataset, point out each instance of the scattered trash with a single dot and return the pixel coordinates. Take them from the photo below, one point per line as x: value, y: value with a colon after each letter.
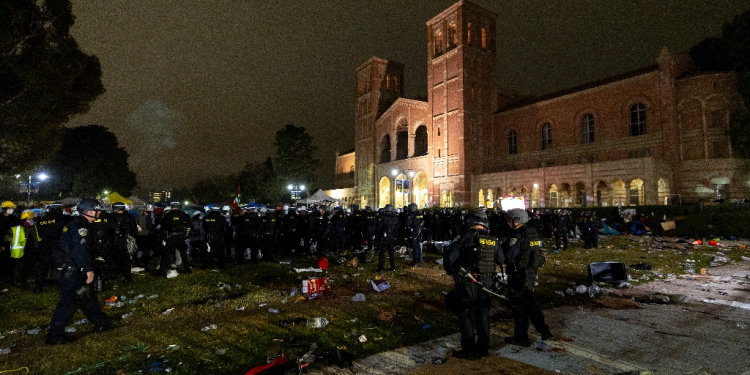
x: 4, y: 351
x: 314, y: 285
x: 426, y: 327
x: 624, y: 319
x: 359, y: 297
x: 581, y: 289
x: 152, y: 296
x: 128, y: 315
x: 172, y: 274
x: 318, y: 322
x: 172, y: 346
x: 308, y: 269
x: 273, y: 311
x: 440, y: 261
x: 354, y: 262
x: 209, y: 327
x: 543, y: 346
x: 624, y: 284
x: 82, y: 321
x: 386, y: 315
x: 560, y: 292
x: 570, y: 292
x: 379, y: 283
x: 240, y: 308
x: 167, y: 311
x: 264, y: 304
x: 111, y: 299
x: 221, y: 351
x: 362, y: 339
x: 70, y: 329
x: 33, y: 331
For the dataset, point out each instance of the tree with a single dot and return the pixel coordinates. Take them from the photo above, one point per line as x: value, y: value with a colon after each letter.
x: 731, y: 51
x: 89, y: 162
x: 260, y: 182
x: 44, y: 80
x: 295, y: 160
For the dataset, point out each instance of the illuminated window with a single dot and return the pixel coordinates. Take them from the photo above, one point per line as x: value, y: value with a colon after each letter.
x: 468, y: 33
x: 438, y: 42
x: 484, y: 37
x: 587, y: 128
x: 452, y: 35
x: 388, y: 81
x: 638, y: 119
x: 512, y: 145
x: 395, y: 83
x: 546, y: 135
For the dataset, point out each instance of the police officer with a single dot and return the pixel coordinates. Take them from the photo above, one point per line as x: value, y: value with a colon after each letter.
x: 370, y: 224
x: 268, y: 224
x: 290, y: 227
x: 523, y: 257
x: 175, y: 224
x: 478, y: 255
x: 305, y: 228
x: 146, y: 237
x: 321, y: 232
x: 50, y: 228
x: 244, y: 224
x: 100, y: 236
x: 414, y: 225
x: 77, y: 274
x: 561, y: 230
x: 216, y: 227
x: 338, y: 223
x: 122, y: 226
x: 585, y: 227
x: 387, y: 233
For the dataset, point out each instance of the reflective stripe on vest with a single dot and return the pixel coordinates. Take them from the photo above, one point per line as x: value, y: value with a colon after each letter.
x: 19, y: 242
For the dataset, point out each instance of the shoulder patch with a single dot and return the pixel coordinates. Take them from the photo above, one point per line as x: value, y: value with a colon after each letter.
x: 65, y: 229
x: 83, y: 232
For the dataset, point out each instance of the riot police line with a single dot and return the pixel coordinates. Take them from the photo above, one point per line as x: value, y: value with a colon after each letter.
x: 116, y: 240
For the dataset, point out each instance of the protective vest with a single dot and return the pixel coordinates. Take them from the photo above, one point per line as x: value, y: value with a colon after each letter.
x: 486, y: 249
x: 18, y: 243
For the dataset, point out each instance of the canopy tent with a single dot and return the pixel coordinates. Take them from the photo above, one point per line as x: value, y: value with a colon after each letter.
x: 114, y: 197
x: 319, y: 197
x: 70, y: 201
x: 137, y: 202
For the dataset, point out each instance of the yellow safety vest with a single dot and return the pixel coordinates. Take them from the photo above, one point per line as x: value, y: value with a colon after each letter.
x: 19, y: 242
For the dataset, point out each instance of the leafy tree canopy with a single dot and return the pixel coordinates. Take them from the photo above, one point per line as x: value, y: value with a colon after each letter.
x: 259, y: 182
x: 295, y: 160
x: 89, y: 162
x: 44, y: 80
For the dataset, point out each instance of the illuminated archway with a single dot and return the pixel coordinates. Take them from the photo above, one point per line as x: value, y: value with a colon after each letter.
x: 481, y: 198
x: 385, y: 192
x: 553, y: 196
x: 446, y: 198
x: 662, y: 191
x: 602, y: 198
x: 401, y: 198
x: 490, y: 199
x: 564, y: 194
x: 419, y: 189
x: 581, y: 194
x: 535, y: 197
x: 636, y: 195
x: 619, y: 194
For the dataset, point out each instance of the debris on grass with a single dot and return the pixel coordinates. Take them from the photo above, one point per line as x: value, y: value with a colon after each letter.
x: 386, y: 315
x: 359, y: 297
x: 209, y: 327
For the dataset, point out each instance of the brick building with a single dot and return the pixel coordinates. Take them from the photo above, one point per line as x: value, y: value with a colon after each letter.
x: 643, y: 137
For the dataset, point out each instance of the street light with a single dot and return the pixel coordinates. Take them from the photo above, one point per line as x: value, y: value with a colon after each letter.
x: 296, y: 190
x: 31, y: 187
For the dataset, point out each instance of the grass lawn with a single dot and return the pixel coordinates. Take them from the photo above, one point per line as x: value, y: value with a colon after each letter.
x: 245, y: 338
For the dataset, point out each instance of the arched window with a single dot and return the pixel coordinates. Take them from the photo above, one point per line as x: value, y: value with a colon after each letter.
x: 420, y: 141
x: 638, y: 119
x: 438, y: 42
x: 385, y: 154
x: 484, y: 37
x: 587, y: 128
x: 546, y: 135
x: 402, y: 145
x: 452, y: 35
x: 468, y: 32
x: 512, y: 145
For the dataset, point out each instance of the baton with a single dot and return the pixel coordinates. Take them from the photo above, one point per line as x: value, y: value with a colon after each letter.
x: 466, y: 273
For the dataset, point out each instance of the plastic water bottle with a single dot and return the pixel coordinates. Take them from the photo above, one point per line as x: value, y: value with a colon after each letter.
x: 4, y: 351
x: 317, y: 322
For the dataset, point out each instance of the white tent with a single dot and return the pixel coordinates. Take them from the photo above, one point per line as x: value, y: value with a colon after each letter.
x: 320, y: 197
x: 137, y: 202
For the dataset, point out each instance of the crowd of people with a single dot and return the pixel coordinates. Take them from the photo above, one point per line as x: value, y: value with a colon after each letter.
x: 88, y: 247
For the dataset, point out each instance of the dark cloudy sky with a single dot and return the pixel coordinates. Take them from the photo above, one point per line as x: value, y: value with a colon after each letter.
x: 198, y: 88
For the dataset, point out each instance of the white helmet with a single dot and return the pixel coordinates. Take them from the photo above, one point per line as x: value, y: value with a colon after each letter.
x: 263, y: 210
x: 225, y: 208
x: 302, y: 208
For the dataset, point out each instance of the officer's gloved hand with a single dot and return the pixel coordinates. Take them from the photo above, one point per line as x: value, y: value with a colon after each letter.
x: 498, y: 282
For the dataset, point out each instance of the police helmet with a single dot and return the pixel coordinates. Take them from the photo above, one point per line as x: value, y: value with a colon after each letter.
x: 54, y: 206
x: 478, y: 217
x: 225, y: 208
x: 215, y: 208
x: 149, y: 207
x: 519, y: 215
x: 118, y: 206
x: 368, y: 208
x: 355, y: 207
x: 303, y: 208
x: 413, y: 206
x: 175, y: 205
x: 89, y: 204
x: 388, y: 208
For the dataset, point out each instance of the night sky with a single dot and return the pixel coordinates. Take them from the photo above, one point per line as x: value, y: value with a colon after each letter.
x: 197, y: 88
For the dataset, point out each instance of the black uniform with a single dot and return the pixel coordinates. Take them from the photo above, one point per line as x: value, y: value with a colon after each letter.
x: 50, y: 231
x: 290, y: 226
x: 521, y: 257
x: 100, y: 238
x: 245, y: 235
x: 74, y: 292
x: 479, y: 253
x: 321, y: 233
x: 216, y: 227
x: 305, y: 228
x: 122, y: 226
x: 268, y: 235
x: 414, y: 226
x: 387, y: 233
x: 338, y: 222
x: 145, y: 239
x: 174, y: 224
x: 561, y: 231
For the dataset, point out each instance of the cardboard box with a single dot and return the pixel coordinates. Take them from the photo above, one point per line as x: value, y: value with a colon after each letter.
x: 315, y: 285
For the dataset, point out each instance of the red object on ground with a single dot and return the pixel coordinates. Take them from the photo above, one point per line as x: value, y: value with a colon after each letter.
x: 712, y: 243
x: 699, y: 241
x: 315, y: 285
x: 276, y: 362
x: 111, y: 299
x: 323, y: 263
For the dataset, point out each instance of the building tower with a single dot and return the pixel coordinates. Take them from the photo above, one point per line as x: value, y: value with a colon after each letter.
x: 379, y: 83
x: 461, y: 94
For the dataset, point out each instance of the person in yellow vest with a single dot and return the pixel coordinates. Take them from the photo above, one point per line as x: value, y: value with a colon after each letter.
x: 7, y: 220
x: 23, y: 247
